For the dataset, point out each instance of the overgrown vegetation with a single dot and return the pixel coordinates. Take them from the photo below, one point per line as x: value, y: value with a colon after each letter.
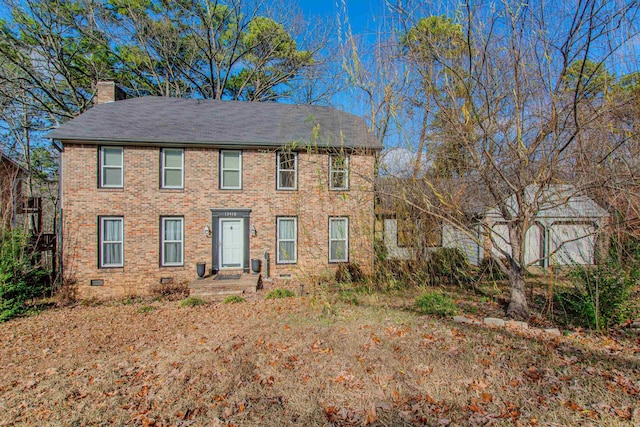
x: 21, y: 277
x: 601, y: 297
x: 349, y: 273
x: 279, y: 293
x: 435, y: 303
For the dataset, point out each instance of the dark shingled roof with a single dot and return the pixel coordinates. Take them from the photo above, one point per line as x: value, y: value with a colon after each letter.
x: 186, y: 122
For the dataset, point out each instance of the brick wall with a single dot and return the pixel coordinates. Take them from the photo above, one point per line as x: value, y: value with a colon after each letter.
x: 142, y: 203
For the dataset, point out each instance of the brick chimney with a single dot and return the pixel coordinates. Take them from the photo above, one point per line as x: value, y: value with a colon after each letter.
x: 108, y: 92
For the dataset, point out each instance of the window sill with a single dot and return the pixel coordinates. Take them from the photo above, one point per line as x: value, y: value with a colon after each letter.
x: 111, y: 189
x: 113, y: 269
x: 171, y: 190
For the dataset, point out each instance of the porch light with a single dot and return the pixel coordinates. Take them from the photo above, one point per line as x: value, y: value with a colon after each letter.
x: 207, y: 231
x: 253, y: 230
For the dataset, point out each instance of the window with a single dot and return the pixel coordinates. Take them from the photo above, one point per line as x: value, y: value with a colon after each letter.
x: 287, y: 240
x: 172, y: 168
x: 111, y: 167
x: 338, y: 239
x: 338, y: 172
x: 231, y: 170
x: 172, y: 241
x: 287, y: 167
x: 111, y: 242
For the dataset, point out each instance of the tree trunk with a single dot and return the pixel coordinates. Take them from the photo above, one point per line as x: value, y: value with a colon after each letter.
x: 518, y: 308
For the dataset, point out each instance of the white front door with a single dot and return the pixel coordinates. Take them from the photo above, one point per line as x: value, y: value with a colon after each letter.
x: 231, y: 243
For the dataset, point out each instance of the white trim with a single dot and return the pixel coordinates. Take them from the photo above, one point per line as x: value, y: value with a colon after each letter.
x: 103, y: 242
x: 102, y: 167
x: 163, y: 262
x: 164, y: 167
x: 294, y: 260
x: 294, y: 170
x: 333, y: 171
x: 346, y: 239
x: 223, y: 170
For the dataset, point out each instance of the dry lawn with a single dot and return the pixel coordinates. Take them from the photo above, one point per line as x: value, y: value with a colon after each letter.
x: 304, y: 361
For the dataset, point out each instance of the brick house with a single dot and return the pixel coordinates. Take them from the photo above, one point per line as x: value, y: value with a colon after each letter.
x: 153, y: 185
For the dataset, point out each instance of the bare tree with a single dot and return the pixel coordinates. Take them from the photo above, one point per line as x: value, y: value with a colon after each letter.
x: 508, y: 96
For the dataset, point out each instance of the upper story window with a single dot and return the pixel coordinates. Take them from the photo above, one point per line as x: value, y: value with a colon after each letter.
x: 287, y: 170
x: 111, y: 167
x: 231, y: 170
x: 111, y: 241
x: 172, y: 173
x: 338, y: 172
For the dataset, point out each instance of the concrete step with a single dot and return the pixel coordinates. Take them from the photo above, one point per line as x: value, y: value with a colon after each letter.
x: 216, y: 293
x: 210, y: 287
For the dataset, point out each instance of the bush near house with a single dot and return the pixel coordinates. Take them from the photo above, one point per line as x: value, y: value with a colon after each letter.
x: 435, y: 303
x: 21, y: 278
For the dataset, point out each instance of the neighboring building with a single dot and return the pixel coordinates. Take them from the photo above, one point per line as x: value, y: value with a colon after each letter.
x: 151, y: 186
x: 565, y: 228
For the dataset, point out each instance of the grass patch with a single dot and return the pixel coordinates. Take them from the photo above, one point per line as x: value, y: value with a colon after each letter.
x: 233, y: 299
x: 192, y: 302
x: 435, y: 303
x: 280, y: 293
x: 146, y: 309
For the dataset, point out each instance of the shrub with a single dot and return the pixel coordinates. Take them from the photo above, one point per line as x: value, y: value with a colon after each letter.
x: 598, y: 298
x: 280, y: 293
x: 349, y: 273
x: 21, y: 278
x: 192, y: 302
x: 233, y: 299
x: 435, y: 303
x: 449, y: 265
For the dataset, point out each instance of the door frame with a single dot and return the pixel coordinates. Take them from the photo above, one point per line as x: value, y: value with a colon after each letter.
x: 222, y: 213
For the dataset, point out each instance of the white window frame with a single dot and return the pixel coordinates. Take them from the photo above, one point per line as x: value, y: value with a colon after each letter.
x: 346, y: 239
x: 223, y: 170
x: 163, y: 262
x: 333, y: 171
x: 103, y: 242
x: 103, y: 167
x: 294, y: 240
x: 294, y: 170
x: 164, y: 167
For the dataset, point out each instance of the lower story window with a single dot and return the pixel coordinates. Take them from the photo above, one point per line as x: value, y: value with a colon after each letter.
x: 172, y: 245
x: 338, y: 239
x: 287, y: 240
x: 111, y: 241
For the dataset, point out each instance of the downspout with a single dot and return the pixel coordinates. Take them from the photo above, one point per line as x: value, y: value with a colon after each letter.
x: 58, y: 226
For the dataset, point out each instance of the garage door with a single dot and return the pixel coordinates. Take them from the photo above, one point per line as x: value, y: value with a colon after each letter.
x: 573, y: 243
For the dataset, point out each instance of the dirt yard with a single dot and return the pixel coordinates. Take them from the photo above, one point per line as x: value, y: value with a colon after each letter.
x: 304, y: 361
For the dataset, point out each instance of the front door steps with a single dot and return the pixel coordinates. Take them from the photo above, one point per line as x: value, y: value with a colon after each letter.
x: 224, y: 283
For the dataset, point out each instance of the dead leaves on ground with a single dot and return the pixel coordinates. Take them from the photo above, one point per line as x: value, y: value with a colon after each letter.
x: 273, y: 363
